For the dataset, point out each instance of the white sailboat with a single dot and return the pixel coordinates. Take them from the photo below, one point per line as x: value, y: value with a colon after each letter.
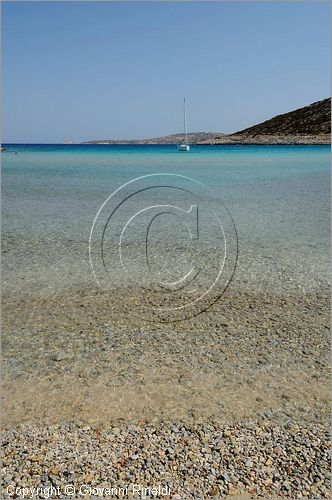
x: 184, y: 146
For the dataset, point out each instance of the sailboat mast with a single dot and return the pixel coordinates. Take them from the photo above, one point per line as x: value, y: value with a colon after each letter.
x: 184, y: 146
x: 185, y: 120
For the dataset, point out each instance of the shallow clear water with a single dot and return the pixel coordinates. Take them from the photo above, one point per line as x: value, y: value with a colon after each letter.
x: 278, y: 197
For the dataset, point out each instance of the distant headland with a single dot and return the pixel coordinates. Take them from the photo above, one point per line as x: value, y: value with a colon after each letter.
x: 308, y: 125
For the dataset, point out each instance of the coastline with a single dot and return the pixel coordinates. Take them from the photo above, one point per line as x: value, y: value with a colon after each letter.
x: 234, y: 139
x: 276, y: 140
x: 225, y: 140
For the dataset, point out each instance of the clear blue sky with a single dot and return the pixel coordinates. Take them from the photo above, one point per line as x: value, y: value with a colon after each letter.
x: 86, y: 70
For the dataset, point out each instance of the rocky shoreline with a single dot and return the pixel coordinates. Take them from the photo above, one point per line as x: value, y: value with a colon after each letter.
x: 235, y: 139
x: 275, y: 139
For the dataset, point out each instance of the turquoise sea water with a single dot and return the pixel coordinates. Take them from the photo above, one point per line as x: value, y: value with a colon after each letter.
x: 278, y: 197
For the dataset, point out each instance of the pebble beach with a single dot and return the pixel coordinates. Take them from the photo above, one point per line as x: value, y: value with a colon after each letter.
x: 198, y: 460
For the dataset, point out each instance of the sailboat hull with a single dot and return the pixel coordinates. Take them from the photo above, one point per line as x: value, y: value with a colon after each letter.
x: 183, y: 147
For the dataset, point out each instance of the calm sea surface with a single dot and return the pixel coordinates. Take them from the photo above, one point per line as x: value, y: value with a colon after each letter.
x: 278, y: 197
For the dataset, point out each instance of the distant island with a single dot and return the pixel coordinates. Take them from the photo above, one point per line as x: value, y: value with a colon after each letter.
x: 308, y: 125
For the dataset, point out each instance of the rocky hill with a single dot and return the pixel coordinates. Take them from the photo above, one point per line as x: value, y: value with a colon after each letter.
x: 310, y: 120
